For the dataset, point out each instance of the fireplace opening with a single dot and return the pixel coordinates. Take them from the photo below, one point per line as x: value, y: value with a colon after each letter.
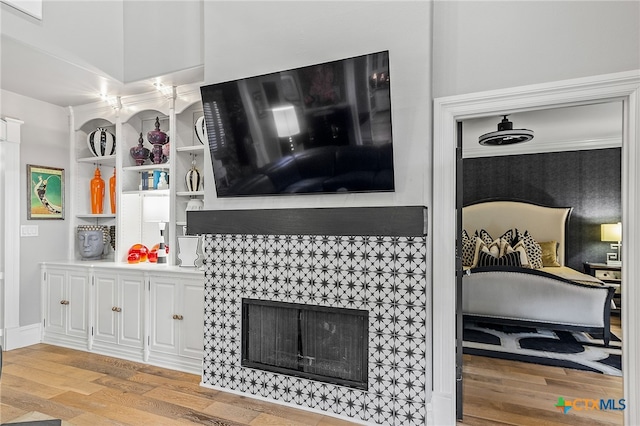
x: 315, y: 342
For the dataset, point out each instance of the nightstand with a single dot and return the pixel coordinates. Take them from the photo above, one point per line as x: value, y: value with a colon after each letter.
x: 612, y: 275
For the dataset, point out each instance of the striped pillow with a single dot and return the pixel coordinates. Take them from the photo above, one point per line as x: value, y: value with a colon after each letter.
x: 509, y: 259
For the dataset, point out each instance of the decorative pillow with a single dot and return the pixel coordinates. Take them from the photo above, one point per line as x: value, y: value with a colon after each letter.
x: 522, y: 250
x: 534, y: 252
x: 484, y: 235
x: 509, y: 236
x: 495, y: 248
x: 549, y: 253
x: 468, y: 249
x: 509, y: 259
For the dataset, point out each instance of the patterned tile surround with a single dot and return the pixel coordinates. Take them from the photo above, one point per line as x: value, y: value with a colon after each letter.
x: 384, y: 275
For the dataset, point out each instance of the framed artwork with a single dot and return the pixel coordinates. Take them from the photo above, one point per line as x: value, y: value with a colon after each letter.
x: 45, y: 192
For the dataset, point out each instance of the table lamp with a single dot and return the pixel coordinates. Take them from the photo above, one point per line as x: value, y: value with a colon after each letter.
x: 612, y: 232
x: 286, y: 122
x: 155, y: 209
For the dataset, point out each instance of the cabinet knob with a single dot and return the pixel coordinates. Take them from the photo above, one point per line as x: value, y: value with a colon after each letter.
x: 116, y: 309
x: 64, y: 302
x: 177, y: 317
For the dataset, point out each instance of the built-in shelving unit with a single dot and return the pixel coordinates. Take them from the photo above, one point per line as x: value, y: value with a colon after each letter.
x: 129, y: 119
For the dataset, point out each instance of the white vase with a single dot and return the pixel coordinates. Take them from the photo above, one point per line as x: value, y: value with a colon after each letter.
x: 189, y: 251
x: 101, y: 142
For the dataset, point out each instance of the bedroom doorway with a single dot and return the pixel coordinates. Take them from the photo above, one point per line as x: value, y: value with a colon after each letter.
x: 579, y: 146
x: 447, y: 112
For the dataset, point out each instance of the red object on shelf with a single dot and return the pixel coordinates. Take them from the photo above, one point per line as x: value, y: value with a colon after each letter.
x: 133, y: 258
x: 141, y: 250
x: 153, y: 256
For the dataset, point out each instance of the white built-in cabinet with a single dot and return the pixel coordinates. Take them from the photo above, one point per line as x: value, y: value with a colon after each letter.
x: 118, y: 322
x: 127, y: 118
x: 66, y: 306
x: 152, y: 314
x: 177, y: 320
x: 144, y: 312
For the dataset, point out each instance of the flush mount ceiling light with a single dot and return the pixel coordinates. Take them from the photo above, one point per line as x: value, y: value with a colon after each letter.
x: 505, y: 135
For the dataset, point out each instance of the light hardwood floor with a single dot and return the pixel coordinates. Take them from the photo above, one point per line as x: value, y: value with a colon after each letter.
x: 44, y: 381
x: 499, y: 392
x: 88, y: 389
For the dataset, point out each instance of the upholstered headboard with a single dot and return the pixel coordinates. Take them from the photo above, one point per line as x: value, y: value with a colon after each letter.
x: 496, y: 217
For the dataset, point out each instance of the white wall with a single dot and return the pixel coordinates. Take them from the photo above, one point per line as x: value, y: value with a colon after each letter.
x: 161, y: 37
x: 128, y: 40
x: 83, y: 32
x: 251, y: 38
x: 45, y: 141
x: 486, y: 45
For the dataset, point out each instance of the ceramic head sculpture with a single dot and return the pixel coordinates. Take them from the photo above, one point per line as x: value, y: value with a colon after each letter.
x: 93, y: 241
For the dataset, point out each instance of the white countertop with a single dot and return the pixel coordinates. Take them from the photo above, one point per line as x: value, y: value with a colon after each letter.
x: 143, y: 266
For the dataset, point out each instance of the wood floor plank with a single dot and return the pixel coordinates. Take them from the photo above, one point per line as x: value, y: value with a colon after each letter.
x: 231, y: 412
x: 271, y: 420
x: 93, y: 419
x: 123, y: 385
x: 113, y: 410
x: 333, y: 421
x: 59, y: 368
x: 28, y: 386
x: 275, y: 410
x: 28, y: 402
x: 52, y: 379
x: 9, y: 412
x: 180, y: 398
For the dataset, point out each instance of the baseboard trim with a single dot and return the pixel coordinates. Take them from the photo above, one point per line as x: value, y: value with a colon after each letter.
x: 20, y: 337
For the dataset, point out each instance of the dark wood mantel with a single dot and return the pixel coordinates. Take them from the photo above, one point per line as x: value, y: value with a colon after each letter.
x: 403, y: 221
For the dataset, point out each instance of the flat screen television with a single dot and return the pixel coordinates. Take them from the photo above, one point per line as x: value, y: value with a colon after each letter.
x: 323, y: 128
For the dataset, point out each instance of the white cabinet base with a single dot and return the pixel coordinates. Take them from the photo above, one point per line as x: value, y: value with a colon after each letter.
x: 116, y: 310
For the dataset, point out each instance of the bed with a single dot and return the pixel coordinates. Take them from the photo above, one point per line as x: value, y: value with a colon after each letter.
x: 556, y: 297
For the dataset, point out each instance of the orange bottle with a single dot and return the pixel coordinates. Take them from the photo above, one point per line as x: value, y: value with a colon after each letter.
x: 97, y: 193
x: 112, y: 191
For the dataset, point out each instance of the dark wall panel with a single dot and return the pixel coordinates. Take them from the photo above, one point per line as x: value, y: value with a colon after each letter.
x: 588, y: 181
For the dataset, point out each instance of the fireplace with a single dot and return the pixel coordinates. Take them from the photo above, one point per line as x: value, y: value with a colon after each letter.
x: 365, y: 259
x: 315, y: 342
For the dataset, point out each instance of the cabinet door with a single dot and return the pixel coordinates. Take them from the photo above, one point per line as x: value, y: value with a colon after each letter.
x: 164, y: 304
x: 55, y: 311
x: 77, y: 308
x: 131, y: 311
x: 106, y: 293
x: 192, y: 324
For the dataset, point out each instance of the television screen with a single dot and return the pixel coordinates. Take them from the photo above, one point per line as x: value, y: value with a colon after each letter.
x: 324, y: 128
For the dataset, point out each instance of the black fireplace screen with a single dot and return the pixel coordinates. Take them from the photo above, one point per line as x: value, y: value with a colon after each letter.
x: 315, y: 342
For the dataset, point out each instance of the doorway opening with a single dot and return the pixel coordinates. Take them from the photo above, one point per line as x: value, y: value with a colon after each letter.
x: 448, y: 111
x: 570, y: 164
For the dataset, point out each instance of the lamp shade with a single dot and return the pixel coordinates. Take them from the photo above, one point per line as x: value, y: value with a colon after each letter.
x: 611, y: 232
x: 286, y: 121
x: 155, y: 208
